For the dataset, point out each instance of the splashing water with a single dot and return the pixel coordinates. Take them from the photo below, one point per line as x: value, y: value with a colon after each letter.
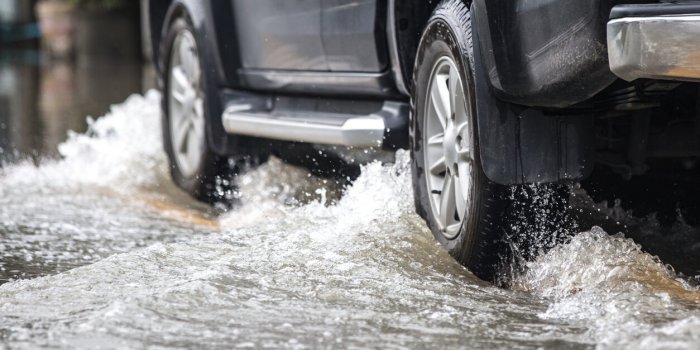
x: 120, y: 150
x: 109, y: 254
x: 609, y: 284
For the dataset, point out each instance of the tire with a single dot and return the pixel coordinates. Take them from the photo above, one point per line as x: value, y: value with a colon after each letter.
x: 473, y: 231
x: 194, y: 166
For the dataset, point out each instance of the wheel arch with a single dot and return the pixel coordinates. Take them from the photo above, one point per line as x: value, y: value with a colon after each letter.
x: 409, y: 21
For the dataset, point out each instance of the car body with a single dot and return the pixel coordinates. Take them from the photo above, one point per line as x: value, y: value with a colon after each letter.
x: 548, y: 78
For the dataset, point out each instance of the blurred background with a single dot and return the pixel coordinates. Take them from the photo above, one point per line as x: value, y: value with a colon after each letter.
x: 63, y: 60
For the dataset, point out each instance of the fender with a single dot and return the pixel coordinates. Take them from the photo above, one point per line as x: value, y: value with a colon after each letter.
x: 545, y: 53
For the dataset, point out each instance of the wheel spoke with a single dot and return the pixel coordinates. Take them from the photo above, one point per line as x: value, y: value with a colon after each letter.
x: 177, y: 112
x: 192, y: 146
x: 441, y: 81
x: 460, y: 109
x: 461, y: 127
x: 180, y: 82
x: 437, y: 140
x: 438, y: 167
x: 465, y: 154
x: 185, y: 56
x: 182, y: 133
x: 453, y: 90
x: 181, y: 120
x: 190, y: 61
x: 447, y: 202
x: 198, y: 119
x: 464, y: 148
x: 454, y: 227
x: 178, y: 97
x: 199, y: 108
x: 440, y: 99
x: 460, y: 197
x: 193, y: 71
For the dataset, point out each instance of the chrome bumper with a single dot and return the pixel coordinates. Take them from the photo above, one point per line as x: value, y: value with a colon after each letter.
x: 658, y: 47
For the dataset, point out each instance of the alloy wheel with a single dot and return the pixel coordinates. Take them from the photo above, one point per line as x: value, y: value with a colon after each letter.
x: 448, y: 145
x: 186, y: 104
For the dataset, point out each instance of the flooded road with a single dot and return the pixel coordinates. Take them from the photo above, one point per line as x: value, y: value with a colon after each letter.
x: 98, y: 249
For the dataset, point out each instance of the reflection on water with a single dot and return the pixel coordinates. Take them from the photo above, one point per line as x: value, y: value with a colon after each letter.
x: 41, y: 100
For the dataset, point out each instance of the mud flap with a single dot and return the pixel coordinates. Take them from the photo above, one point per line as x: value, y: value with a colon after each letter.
x: 519, y: 145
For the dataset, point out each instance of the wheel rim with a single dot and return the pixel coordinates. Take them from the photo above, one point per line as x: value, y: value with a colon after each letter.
x: 186, y: 104
x: 448, y: 145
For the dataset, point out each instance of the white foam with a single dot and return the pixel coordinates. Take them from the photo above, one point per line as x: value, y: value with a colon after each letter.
x: 118, y: 151
x: 609, y: 285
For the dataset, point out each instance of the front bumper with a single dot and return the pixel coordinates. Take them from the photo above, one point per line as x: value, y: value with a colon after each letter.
x: 655, y: 41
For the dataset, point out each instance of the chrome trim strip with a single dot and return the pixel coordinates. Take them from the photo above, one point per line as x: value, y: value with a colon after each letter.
x: 659, y: 47
x: 394, y: 49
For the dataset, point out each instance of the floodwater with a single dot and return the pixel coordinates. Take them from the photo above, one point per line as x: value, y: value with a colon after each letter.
x: 98, y: 249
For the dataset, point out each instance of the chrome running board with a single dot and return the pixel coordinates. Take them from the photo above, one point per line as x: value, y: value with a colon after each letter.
x: 352, y: 130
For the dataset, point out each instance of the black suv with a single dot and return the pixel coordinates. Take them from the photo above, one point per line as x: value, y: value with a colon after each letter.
x: 485, y: 94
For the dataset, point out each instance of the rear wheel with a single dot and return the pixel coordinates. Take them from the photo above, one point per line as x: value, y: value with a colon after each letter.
x: 461, y: 206
x: 194, y: 166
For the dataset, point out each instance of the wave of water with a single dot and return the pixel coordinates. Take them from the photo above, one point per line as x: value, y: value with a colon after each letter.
x: 287, y: 269
x: 622, y: 295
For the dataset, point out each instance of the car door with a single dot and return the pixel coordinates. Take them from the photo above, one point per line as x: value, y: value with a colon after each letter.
x: 312, y: 35
x: 354, y: 35
x: 280, y: 34
x: 319, y: 47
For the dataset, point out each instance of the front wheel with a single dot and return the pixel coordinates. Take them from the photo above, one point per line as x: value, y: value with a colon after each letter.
x: 461, y: 206
x: 194, y: 166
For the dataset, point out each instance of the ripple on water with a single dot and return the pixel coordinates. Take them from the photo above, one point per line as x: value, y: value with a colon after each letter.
x: 285, y: 271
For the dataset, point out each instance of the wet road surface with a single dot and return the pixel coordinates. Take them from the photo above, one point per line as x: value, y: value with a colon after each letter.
x: 98, y: 249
